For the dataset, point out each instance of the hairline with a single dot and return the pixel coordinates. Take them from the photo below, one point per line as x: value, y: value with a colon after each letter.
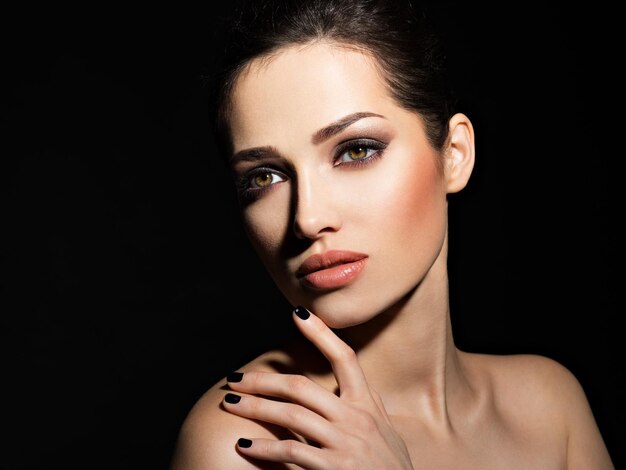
x: 265, y: 59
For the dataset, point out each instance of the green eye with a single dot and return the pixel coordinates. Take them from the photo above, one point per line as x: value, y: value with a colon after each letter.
x: 263, y: 180
x: 359, y: 151
x: 253, y: 184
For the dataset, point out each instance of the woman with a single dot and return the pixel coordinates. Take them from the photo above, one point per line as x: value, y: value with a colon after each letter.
x: 344, y: 144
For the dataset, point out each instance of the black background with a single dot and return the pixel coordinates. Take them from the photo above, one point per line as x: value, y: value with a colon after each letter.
x: 127, y: 287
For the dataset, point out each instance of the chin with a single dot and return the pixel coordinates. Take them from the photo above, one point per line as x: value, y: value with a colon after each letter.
x: 341, y: 320
x: 339, y: 309
x: 350, y: 306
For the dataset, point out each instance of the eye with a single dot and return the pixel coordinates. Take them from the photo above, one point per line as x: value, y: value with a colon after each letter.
x: 359, y: 151
x: 356, y: 153
x: 255, y: 183
x: 264, y: 178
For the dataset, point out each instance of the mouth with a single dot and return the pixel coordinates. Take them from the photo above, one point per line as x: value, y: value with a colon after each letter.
x: 331, y: 270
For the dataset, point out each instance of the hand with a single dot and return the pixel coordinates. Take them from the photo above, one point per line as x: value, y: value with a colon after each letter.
x: 353, y: 429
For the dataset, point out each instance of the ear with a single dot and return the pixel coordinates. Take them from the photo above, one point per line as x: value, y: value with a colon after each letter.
x: 459, y: 153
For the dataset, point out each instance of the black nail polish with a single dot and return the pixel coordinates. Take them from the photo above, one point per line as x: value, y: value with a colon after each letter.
x: 232, y: 398
x: 234, y: 377
x: 245, y: 443
x: 302, y: 312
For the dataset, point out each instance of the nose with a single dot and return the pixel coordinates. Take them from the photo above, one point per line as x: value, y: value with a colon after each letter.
x: 316, y: 209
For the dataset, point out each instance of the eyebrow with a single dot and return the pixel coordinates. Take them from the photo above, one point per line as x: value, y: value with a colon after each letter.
x: 252, y: 154
x: 319, y: 136
x: 339, y: 125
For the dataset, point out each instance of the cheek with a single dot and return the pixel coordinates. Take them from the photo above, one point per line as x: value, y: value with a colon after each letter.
x: 421, y: 205
x: 266, y: 223
x: 410, y: 202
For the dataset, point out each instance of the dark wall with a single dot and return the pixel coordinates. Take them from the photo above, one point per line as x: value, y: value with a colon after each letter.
x: 127, y: 287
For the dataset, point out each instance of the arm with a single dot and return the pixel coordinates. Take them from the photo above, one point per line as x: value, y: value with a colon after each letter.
x: 585, y: 446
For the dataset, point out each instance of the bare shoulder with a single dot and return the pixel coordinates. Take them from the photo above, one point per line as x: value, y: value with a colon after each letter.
x: 208, y: 434
x: 528, y: 386
x: 535, y: 380
x: 542, y: 396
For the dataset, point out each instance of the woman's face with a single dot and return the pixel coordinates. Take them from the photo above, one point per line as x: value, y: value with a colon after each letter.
x: 327, y: 163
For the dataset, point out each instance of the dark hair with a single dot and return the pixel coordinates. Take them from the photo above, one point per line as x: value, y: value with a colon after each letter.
x: 397, y: 34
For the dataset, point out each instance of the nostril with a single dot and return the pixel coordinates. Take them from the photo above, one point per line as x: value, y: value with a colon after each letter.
x: 313, y: 227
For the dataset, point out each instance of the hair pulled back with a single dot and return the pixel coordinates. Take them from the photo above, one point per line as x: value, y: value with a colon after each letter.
x: 395, y: 33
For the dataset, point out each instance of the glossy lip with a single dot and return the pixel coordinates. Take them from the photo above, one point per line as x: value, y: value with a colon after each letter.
x: 332, y: 269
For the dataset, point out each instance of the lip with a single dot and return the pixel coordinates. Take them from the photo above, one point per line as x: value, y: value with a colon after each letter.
x: 331, y: 270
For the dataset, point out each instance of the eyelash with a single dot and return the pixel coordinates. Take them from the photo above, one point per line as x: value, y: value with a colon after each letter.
x: 247, y: 193
x: 367, y: 144
x: 244, y: 183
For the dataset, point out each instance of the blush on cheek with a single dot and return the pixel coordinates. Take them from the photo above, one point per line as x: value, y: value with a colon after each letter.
x: 415, y: 202
x: 422, y: 195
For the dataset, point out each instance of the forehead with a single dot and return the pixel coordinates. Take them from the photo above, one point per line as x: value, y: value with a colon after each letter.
x: 303, y: 88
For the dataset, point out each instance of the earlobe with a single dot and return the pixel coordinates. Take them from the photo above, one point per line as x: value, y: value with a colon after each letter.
x: 459, y: 153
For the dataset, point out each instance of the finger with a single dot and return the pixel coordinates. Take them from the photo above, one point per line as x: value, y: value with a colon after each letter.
x: 287, y: 451
x: 342, y: 357
x: 288, y: 415
x: 294, y: 388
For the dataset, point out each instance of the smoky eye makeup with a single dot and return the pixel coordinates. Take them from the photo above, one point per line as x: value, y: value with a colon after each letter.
x: 254, y: 183
x: 355, y: 148
x: 362, y: 144
x: 359, y: 151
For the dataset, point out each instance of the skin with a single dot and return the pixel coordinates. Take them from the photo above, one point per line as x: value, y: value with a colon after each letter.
x: 376, y: 380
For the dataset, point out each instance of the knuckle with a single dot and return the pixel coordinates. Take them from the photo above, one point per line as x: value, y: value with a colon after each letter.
x: 298, y: 384
x: 253, y: 404
x: 291, y: 449
x: 251, y: 380
x: 347, y: 354
x: 366, y: 422
x: 294, y: 414
x: 353, y: 396
x: 259, y: 380
x: 262, y: 448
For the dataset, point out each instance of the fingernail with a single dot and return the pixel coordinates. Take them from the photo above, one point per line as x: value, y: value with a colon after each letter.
x: 234, y: 377
x: 232, y: 398
x: 245, y: 443
x: 302, y: 312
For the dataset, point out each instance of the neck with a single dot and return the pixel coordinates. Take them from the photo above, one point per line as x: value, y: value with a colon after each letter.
x: 408, y: 353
